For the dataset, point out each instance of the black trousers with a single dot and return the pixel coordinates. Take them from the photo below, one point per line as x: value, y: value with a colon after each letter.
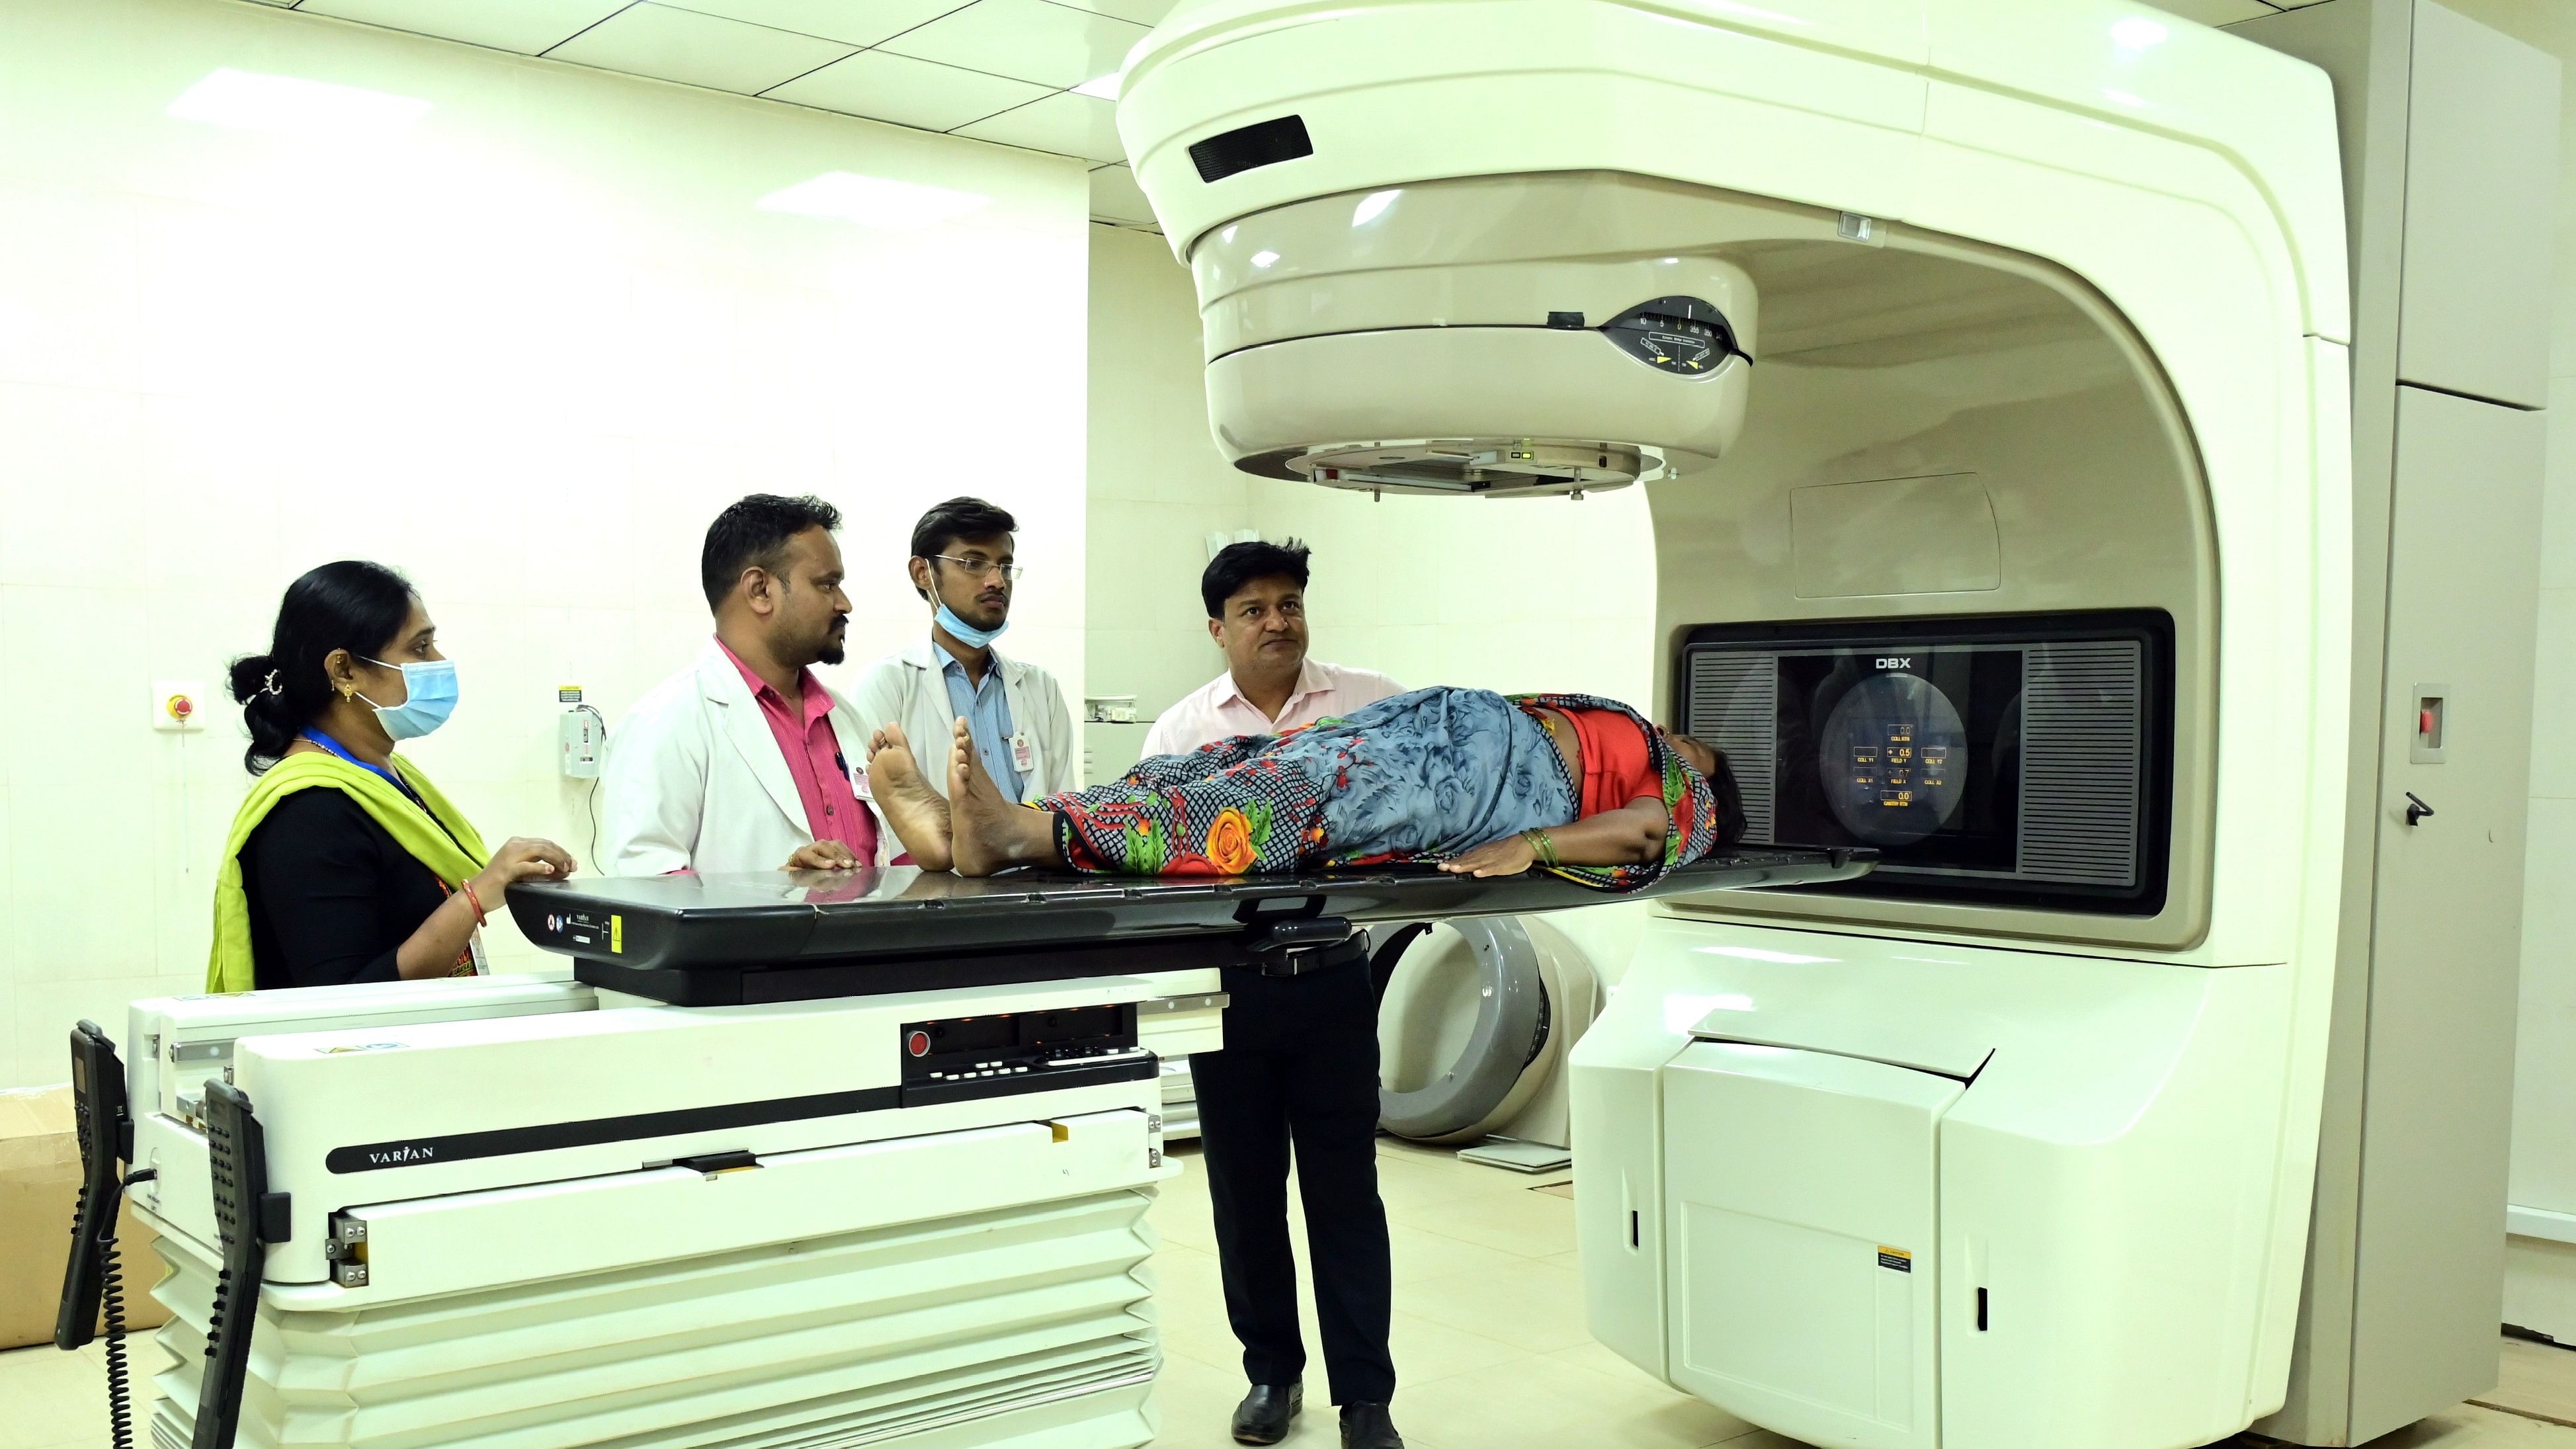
x: 1300, y: 1068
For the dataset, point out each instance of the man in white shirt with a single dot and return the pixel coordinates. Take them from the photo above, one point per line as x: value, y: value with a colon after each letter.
x: 1300, y: 1061
x: 744, y: 760
x: 963, y: 566
x: 1256, y: 602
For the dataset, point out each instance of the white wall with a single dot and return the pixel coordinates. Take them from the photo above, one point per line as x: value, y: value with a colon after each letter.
x: 523, y: 349
x: 1158, y: 485
x: 2544, y: 1141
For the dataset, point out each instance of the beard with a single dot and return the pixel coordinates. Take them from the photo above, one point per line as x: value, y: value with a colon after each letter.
x: 826, y: 645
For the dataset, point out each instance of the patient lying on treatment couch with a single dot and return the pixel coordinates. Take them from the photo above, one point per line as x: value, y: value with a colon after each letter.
x: 1481, y: 783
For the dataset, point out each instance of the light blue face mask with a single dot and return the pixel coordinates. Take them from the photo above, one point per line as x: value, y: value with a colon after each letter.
x: 967, y: 634
x: 429, y: 697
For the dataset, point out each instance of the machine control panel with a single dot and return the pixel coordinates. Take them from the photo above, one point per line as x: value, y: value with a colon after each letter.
x: 1028, y: 1051
x: 1681, y: 335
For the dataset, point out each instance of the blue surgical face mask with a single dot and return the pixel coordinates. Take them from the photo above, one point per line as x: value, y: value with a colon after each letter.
x: 967, y: 634
x: 429, y: 697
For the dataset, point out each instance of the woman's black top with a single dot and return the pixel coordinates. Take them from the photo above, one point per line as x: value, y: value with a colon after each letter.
x: 332, y: 897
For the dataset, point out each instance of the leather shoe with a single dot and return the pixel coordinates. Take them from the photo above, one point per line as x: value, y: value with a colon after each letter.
x: 1366, y: 1426
x: 1264, y: 1414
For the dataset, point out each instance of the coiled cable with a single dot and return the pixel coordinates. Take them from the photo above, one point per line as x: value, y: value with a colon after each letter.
x: 111, y: 1302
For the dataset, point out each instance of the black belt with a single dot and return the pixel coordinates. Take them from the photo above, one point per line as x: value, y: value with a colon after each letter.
x: 1301, y: 948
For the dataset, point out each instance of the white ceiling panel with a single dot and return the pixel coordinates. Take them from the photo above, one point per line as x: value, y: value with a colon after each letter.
x: 2215, y: 12
x: 1115, y: 196
x: 859, y: 22
x: 887, y: 87
x: 1065, y: 123
x: 1030, y: 40
x: 529, y: 27
x: 699, y: 50
x: 1143, y: 12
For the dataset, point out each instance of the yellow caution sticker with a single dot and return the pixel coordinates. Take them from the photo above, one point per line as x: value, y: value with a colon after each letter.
x: 1896, y: 1258
x: 617, y: 935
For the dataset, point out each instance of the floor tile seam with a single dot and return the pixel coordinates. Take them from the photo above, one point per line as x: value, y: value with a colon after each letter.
x: 2532, y: 1414
x: 1475, y: 1243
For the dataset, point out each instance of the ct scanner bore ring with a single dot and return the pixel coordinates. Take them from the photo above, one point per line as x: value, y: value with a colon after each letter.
x: 1513, y: 1015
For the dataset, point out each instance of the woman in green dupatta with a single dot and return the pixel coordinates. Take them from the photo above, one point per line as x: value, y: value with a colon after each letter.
x: 346, y: 864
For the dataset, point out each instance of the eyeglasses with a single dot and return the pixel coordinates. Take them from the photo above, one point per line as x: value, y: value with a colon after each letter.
x: 978, y: 567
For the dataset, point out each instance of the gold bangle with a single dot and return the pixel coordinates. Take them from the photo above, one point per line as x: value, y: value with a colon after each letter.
x: 1540, y: 846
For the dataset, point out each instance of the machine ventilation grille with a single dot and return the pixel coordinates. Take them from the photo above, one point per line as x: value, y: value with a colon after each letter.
x: 1735, y: 705
x: 1020, y: 1325
x: 2082, y: 711
x: 1246, y: 148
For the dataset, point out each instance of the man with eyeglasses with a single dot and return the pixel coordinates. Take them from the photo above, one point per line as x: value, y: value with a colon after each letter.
x: 962, y: 566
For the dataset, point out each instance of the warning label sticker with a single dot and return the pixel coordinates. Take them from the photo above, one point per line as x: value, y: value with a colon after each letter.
x: 1896, y: 1258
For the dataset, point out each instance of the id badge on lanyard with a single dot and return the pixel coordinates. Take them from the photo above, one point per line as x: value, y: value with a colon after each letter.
x: 1024, y: 753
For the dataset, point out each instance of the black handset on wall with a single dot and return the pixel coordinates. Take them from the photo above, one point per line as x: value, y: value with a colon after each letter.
x: 105, y: 1131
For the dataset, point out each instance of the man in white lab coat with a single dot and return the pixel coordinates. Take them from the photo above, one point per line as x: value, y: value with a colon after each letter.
x: 745, y: 761
x: 963, y: 566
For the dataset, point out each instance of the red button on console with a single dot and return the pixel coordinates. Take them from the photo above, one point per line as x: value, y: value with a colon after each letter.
x: 918, y: 1043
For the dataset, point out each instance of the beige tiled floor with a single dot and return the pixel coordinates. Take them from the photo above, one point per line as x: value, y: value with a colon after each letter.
x: 1488, y: 1340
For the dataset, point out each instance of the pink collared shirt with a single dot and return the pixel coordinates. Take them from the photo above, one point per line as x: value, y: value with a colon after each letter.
x: 1217, y: 710
x: 815, y: 762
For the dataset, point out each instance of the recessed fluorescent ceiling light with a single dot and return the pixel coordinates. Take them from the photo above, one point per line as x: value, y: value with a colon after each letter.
x: 1105, y: 87
x: 293, y: 106
x: 872, y: 200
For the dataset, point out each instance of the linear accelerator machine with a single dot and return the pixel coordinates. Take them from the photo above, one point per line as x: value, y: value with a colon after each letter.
x: 1988, y: 366
x: 820, y: 1161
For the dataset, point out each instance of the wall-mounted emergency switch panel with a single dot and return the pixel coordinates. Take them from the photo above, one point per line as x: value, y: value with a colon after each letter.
x: 179, y: 705
x: 2430, y: 722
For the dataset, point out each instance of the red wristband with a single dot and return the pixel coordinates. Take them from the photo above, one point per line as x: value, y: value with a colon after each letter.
x: 476, y: 902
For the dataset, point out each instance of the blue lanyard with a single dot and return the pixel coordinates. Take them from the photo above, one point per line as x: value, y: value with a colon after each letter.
x: 388, y: 776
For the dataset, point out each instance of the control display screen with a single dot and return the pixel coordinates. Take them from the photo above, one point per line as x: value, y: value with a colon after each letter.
x: 2023, y: 760
x: 1897, y: 741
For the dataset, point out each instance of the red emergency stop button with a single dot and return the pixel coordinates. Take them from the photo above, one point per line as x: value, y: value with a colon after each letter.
x: 2424, y: 722
x: 180, y: 707
x: 918, y: 1043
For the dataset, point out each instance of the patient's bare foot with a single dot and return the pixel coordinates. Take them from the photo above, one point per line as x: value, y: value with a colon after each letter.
x: 911, y: 804
x: 987, y: 832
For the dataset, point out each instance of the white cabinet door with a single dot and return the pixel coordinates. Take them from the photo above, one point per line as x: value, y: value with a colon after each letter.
x: 1799, y: 1208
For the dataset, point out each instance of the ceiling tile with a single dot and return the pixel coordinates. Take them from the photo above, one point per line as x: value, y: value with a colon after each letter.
x: 1115, y: 196
x: 859, y: 22
x: 529, y: 27
x: 1064, y: 123
x: 2215, y: 12
x: 1143, y: 12
x: 699, y: 50
x: 887, y: 87
x: 1030, y: 40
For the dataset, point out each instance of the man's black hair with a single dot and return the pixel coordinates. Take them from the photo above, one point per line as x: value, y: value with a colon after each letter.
x: 753, y: 534
x: 1238, y: 564
x: 952, y: 522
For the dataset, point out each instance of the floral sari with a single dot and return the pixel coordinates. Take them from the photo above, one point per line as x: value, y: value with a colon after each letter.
x: 1417, y: 777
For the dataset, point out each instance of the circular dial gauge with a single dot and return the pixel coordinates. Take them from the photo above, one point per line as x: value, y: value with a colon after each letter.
x: 1681, y: 335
